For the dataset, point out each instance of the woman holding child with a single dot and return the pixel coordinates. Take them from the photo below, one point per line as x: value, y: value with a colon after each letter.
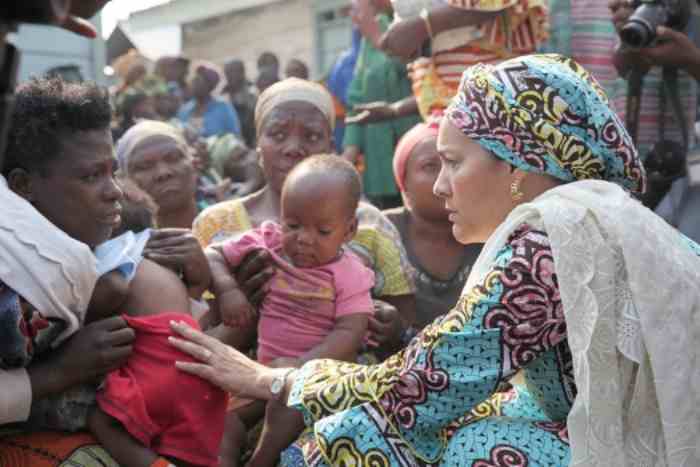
x: 59, y: 143
x: 536, y: 165
x: 61, y: 271
x: 294, y: 120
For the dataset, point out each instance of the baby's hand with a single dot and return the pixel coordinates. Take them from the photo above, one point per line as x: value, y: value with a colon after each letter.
x: 235, y: 310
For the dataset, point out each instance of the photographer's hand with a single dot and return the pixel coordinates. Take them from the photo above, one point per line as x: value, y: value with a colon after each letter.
x: 675, y: 50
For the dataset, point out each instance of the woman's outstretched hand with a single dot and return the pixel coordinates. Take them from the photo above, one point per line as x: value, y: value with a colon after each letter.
x: 222, y: 365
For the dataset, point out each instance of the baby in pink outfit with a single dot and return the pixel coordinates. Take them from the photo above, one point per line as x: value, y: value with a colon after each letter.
x: 318, y: 303
x: 303, y: 303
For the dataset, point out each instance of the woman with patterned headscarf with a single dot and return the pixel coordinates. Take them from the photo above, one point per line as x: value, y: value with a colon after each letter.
x: 582, y: 290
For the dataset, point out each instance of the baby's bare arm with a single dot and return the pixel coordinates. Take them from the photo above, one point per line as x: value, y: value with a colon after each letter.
x: 232, y: 304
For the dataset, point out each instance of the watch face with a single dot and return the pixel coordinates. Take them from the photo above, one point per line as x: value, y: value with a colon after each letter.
x: 276, y: 386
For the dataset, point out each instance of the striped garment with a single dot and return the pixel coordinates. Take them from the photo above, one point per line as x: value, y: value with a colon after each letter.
x: 521, y: 26
x: 583, y: 30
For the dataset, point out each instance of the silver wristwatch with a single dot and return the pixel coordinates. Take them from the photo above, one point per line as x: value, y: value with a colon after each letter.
x: 278, y: 383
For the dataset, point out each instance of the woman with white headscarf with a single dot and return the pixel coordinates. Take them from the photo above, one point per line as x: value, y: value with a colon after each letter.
x: 155, y: 156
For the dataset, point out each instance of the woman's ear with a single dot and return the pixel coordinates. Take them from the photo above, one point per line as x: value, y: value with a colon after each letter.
x: 351, y: 229
x: 20, y: 181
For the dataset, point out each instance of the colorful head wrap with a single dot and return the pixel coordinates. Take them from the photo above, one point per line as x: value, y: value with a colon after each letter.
x: 407, y: 144
x: 546, y: 114
x: 291, y: 90
x: 140, y: 133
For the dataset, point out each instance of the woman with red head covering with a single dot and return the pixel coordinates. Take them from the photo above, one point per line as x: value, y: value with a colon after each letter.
x: 440, y: 264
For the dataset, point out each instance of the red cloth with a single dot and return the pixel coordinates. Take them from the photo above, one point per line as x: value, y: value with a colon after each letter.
x: 407, y: 144
x: 169, y: 411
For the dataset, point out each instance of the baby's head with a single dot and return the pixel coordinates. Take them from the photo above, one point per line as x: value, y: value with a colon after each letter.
x: 138, y: 209
x: 319, y: 200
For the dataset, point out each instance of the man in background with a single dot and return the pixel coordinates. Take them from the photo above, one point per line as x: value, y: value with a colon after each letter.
x: 242, y: 98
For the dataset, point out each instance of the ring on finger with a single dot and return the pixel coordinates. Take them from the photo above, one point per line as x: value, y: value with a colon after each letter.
x: 206, y: 355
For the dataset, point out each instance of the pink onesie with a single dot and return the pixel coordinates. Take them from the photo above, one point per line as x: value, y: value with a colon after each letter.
x: 303, y: 304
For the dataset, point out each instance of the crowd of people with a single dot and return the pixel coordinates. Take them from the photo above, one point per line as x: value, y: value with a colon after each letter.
x: 460, y: 247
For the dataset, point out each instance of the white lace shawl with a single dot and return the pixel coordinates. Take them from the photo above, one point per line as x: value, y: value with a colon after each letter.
x: 52, y: 271
x: 630, y: 290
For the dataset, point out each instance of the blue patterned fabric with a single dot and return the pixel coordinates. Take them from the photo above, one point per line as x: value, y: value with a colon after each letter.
x: 437, y: 403
x: 15, y: 342
x: 546, y: 114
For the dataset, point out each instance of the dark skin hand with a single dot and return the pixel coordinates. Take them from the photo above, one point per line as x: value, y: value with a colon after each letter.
x: 675, y: 48
x: 233, y: 307
x: 179, y: 250
x: 253, y: 275
x: 380, y: 111
x: 404, y: 39
x: 387, y: 324
x: 92, y: 352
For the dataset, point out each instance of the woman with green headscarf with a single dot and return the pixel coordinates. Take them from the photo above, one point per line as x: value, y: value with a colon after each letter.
x: 588, y: 294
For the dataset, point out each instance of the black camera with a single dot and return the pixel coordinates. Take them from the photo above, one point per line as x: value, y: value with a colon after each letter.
x: 640, y: 29
x: 664, y: 164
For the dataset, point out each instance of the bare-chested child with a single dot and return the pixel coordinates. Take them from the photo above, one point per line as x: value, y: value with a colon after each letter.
x: 149, y: 413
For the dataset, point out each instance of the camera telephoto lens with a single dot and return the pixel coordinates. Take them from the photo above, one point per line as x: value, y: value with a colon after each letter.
x: 636, y: 35
x: 640, y: 29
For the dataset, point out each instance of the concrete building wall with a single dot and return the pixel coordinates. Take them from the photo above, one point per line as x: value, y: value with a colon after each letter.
x: 285, y: 28
x: 45, y: 47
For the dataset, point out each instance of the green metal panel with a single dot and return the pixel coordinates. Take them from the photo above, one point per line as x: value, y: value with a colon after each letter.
x: 332, y: 32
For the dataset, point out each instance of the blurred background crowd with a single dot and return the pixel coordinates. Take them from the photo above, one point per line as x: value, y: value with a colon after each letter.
x: 202, y: 68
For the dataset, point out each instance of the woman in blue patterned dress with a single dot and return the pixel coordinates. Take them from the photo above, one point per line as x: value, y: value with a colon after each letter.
x: 579, y: 287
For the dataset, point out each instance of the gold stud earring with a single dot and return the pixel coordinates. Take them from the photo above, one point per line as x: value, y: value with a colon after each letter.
x: 260, y: 159
x: 515, y: 193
